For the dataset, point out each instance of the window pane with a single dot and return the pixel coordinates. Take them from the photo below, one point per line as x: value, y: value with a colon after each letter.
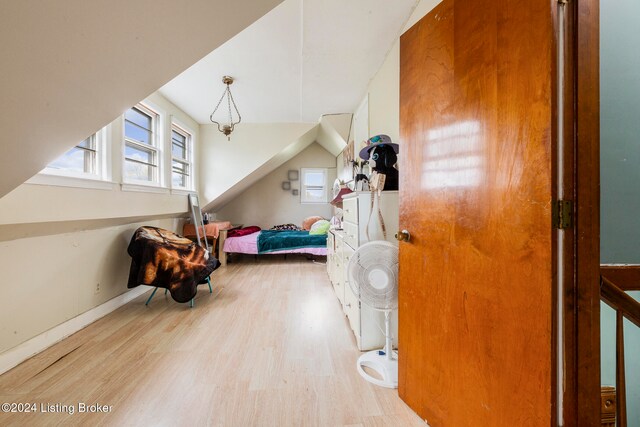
x: 180, y: 167
x: 88, y: 143
x: 138, y: 117
x: 179, y: 152
x: 313, y: 195
x: 178, y: 180
x: 139, y: 154
x: 134, y: 132
x: 314, y: 178
x: 73, y: 160
x: 178, y: 145
x: 178, y: 138
x: 137, y: 171
x: 180, y: 174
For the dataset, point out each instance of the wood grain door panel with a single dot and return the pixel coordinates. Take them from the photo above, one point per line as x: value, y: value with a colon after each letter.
x: 476, y: 293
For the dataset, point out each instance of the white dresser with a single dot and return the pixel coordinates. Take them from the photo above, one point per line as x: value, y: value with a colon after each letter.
x: 367, y: 324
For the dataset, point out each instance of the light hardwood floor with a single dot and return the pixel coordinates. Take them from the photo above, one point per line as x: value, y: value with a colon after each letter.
x: 269, y: 347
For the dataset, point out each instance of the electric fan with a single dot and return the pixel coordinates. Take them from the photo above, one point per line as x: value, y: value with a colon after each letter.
x: 373, y: 279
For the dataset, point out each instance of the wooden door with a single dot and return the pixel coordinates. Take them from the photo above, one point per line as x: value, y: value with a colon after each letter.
x: 476, y: 287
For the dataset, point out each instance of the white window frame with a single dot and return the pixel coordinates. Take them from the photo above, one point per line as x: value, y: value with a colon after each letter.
x: 100, y: 179
x: 183, y: 130
x: 155, y: 147
x: 303, y: 172
x: 99, y: 165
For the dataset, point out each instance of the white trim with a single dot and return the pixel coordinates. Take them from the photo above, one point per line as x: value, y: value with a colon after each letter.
x: 102, y: 165
x: 182, y: 125
x: 44, y: 178
x: 157, y: 138
x: 105, y: 139
x: 190, y: 159
x: 181, y: 192
x: 144, y: 188
x: 14, y: 356
x: 303, y: 186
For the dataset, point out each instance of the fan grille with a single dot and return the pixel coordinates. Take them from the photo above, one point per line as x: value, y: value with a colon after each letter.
x: 373, y: 275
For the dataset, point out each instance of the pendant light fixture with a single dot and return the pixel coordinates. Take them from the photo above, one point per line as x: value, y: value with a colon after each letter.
x: 227, y: 126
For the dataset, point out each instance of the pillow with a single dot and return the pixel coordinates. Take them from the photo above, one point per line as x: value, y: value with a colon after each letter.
x: 283, y: 227
x: 308, y: 222
x: 320, y: 227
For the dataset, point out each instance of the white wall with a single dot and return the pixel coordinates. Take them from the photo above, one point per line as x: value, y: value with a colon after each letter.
x: 619, y: 175
x: 384, y: 88
x: 57, y: 243
x: 384, y: 97
x: 265, y: 203
x: 383, y: 91
x: 47, y: 280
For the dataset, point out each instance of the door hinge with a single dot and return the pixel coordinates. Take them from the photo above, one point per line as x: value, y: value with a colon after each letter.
x: 562, y: 213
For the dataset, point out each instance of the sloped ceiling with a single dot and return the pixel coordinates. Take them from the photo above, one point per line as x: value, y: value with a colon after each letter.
x: 333, y: 132
x: 306, y: 62
x: 70, y: 67
x: 303, y: 59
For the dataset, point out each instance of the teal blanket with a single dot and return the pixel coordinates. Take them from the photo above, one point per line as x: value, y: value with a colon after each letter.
x: 273, y: 240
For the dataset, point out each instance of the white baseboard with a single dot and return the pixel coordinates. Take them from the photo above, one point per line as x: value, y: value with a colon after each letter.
x: 14, y: 356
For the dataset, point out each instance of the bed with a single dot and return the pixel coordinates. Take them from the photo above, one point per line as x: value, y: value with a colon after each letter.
x: 277, y: 242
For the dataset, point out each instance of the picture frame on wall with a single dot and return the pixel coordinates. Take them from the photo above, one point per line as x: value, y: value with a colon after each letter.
x: 293, y: 175
x: 348, y: 154
x: 295, y: 192
x: 286, y: 185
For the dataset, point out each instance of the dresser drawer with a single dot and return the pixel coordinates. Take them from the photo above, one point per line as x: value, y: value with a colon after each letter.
x: 350, y: 234
x: 350, y: 210
x: 352, y: 310
x: 350, y: 303
x: 330, y: 243
x: 338, y: 283
x: 347, y: 253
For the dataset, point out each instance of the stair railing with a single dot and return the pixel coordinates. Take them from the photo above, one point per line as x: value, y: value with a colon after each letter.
x: 625, y: 307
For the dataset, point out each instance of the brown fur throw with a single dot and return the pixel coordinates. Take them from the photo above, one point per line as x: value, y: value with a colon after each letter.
x: 164, y: 259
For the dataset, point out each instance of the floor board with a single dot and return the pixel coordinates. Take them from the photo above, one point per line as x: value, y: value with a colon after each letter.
x: 269, y: 347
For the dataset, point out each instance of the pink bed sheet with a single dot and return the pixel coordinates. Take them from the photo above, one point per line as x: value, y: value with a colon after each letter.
x: 249, y: 245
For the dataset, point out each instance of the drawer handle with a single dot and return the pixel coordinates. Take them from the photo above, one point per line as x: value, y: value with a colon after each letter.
x: 348, y: 305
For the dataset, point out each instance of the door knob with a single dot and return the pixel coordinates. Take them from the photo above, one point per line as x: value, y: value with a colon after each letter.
x: 403, y: 236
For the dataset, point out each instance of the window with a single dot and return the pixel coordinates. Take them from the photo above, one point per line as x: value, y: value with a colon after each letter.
x: 181, y: 158
x: 88, y: 160
x: 141, y: 152
x: 314, y: 186
x: 81, y: 160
